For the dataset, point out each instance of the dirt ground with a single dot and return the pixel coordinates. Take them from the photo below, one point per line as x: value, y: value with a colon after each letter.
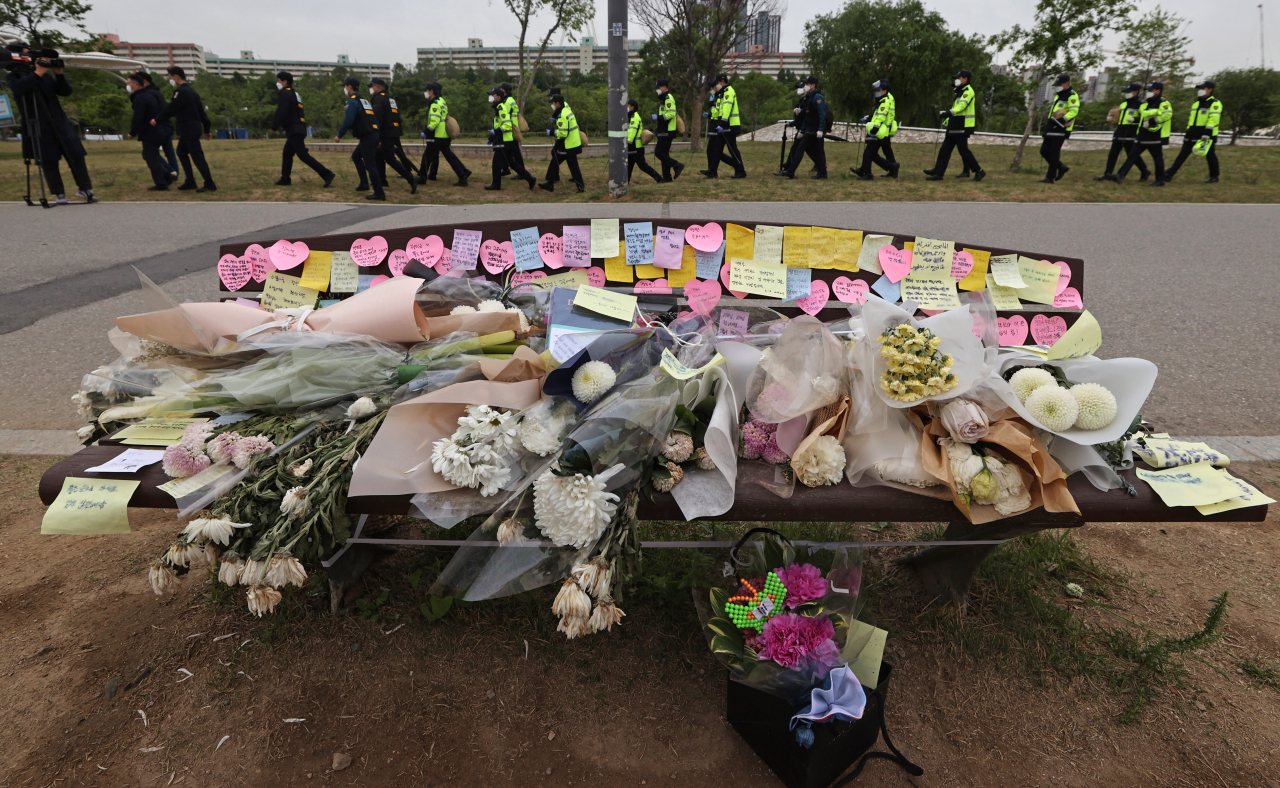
x: 491, y: 697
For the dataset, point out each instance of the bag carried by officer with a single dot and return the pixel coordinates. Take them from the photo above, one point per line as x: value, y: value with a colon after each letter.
x: 646, y: 137
x: 1113, y: 116
x: 452, y: 128
x: 1202, y: 146
x: 523, y: 125
x: 679, y: 125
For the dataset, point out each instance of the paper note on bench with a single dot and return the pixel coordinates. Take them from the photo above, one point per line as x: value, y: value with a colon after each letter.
x: 931, y: 292
x: 90, y: 506
x: 344, y: 274
x: 282, y: 291
x: 1190, y: 485
x: 155, y: 431
x: 678, y: 370
x: 1005, y: 271
x: 180, y: 488
x: 768, y: 244
x: 1041, y: 279
x: 1082, y: 339
x: 604, y: 237
x: 1004, y: 297
x: 931, y: 258
x: 869, y: 254
x: 315, y: 271
x: 1248, y: 496
x: 619, y: 306
x: 128, y: 461
x: 752, y: 276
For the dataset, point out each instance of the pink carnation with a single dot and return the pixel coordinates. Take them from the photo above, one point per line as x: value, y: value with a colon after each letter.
x: 246, y: 449
x: 772, y: 454
x: 788, y: 638
x: 181, y: 460
x: 220, y: 447
x: 804, y: 583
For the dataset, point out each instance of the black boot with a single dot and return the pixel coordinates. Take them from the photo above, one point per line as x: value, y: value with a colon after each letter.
x: 679, y: 169
x: 287, y: 182
x: 208, y: 187
x: 979, y: 175
x: 328, y: 179
x: 963, y: 174
x: 1062, y: 170
x: 547, y: 187
x: 187, y: 185
x: 1211, y: 179
x: 496, y: 186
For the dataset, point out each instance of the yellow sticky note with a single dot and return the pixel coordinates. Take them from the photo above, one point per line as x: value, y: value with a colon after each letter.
x: 1004, y: 297
x: 604, y: 238
x: 1168, y: 453
x: 344, y: 274
x: 315, y: 271
x: 1248, y: 495
x: 795, y: 246
x: 1005, y: 271
x: 753, y: 276
x: 739, y: 243
x: 869, y: 255
x: 619, y: 306
x: 768, y: 244
x: 616, y: 268
x: 976, y: 278
x: 155, y: 431
x: 90, y: 506
x: 931, y: 292
x: 822, y: 246
x: 1082, y: 339
x: 931, y: 258
x: 569, y: 280
x: 180, y: 488
x: 282, y: 291
x: 910, y: 246
x: 688, y: 270
x: 864, y: 651
x: 1190, y: 485
x: 676, y: 369
x: 848, y: 249
x: 1041, y: 279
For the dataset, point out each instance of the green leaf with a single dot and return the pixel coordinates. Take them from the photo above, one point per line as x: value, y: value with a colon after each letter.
x: 719, y: 597
x: 723, y: 645
x: 414, y: 579
x: 436, y: 608
x: 725, y: 627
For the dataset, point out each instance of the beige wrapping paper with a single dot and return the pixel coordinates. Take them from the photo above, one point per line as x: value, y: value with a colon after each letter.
x: 398, y: 461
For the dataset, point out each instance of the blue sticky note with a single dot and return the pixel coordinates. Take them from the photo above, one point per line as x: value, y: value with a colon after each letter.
x: 709, y: 262
x: 799, y: 281
x: 525, y: 244
x: 363, y: 281
x: 639, y: 238
x: 889, y: 291
x: 329, y: 302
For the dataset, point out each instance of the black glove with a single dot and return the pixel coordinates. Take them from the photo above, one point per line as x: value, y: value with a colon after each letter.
x: 874, y: 131
x: 946, y: 113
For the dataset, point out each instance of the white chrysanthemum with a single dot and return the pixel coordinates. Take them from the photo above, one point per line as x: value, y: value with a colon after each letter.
x: 525, y: 327
x: 605, y: 615
x: 463, y: 309
x: 574, y: 510
x: 229, y: 569
x: 263, y: 599
x: 86, y: 432
x: 1054, y: 407
x: 182, y: 554
x: 211, y: 554
x: 511, y: 532
x: 219, y: 449
x: 573, y: 627
x: 252, y: 572
x: 483, y: 423
x: 163, y: 579
x: 572, y: 601
x: 296, y: 503
x: 197, y: 434
x: 301, y: 469
x: 538, y: 437
x: 677, y: 447
x: 593, y: 577
x: 821, y: 463
x: 212, y: 530
x: 361, y: 408
x: 667, y: 483
x: 84, y: 404
x: 592, y: 380
x: 490, y: 306
x: 285, y: 570
x: 1027, y: 380
x: 1097, y: 406
x: 705, y: 462
x: 1075, y: 589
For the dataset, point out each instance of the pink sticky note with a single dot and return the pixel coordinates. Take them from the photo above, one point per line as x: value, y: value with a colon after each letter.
x: 285, y: 255
x: 396, y: 261
x: 425, y: 250
x: 577, y: 246
x: 725, y: 271
x: 259, y: 262
x: 368, y: 252
x: 497, y: 257
x: 896, y: 263
x: 668, y: 248
x: 1047, y: 330
x: 733, y: 322
x: 850, y: 291
x: 235, y: 272
x: 1013, y: 330
x: 466, y: 249
x: 1064, y: 278
x: 816, y: 301
x: 702, y: 295
x: 520, y: 281
x: 1068, y: 298
x: 649, y: 286
x: 979, y: 325
x: 705, y: 238
x: 445, y: 262
x: 961, y: 265
x: 249, y: 302
x: 551, y: 248
x: 595, y: 276
x: 377, y: 280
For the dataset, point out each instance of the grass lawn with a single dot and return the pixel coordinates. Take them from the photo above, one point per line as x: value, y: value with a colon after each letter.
x: 247, y: 170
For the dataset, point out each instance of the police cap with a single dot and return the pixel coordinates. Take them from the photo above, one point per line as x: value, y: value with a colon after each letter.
x: 497, y: 92
x: 377, y: 81
x: 1208, y: 83
x: 811, y: 80
x: 1134, y: 87
x: 351, y: 82
x: 556, y: 99
x: 1062, y: 79
x: 506, y: 87
x: 722, y: 77
x: 880, y: 84
x: 435, y: 87
x: 963, y: 74
x: 662, y: 83
x: 1155, y: 86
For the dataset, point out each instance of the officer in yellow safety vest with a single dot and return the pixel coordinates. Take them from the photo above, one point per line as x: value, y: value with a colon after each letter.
x: 959, y: 123
x: 506, y: 152
x: 1155, y: 117
x: 1058, y: 126
x: 568, y: 145
x: 667, y: 131
x: 1202, y: 132
x: 438, y: 140
x: 1126, y: 133
x: 723, y: 131
x: 881, y: 126
x: 635, y: 144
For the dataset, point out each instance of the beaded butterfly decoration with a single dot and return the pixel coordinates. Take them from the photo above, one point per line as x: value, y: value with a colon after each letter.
x: 751, y: 608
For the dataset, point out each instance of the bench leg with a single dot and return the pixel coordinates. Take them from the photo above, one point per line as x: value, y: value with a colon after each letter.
x: 947, y: 572
x: 348, y: 564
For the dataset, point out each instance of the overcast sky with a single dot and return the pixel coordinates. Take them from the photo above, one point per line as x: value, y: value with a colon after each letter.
x: 1224, y: 33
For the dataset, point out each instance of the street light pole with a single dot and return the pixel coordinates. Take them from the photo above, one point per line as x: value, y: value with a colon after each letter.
x: 617, y: 98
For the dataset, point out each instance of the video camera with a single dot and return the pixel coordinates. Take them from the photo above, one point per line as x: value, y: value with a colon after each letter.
x: 22, y: 60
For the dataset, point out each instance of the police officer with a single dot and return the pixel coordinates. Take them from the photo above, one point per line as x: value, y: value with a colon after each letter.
x: 958, y: 122
x: 166, y: 144
x: 568, y: 145
x: 1155, y: 116
x: 513, y: 109
x: 635, y: 145
x: 1206, y: 114
x: 146, y: 108
x: 506, y: 151
x: 666, y: 117
x: 47, y: 135
x: 291, y: 120
x: 1126, y: 133
x: 811, y: 119
x: 726, y: 125
x: 881, y: 126
x: 438, y: 141
x: 187, y: 111
x: 1058, y: 126
x: 361, y: 120
x: 386, y: 114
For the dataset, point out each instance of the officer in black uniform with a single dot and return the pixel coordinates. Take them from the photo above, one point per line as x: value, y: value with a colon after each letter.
x: 359, y: 118
x: 1126, y: 133
x: 387, y: 115
x: 292, y: 122
x: 811, y: 119
x: 187, y: 111
x: 166, y: 130
x: 147, y: 107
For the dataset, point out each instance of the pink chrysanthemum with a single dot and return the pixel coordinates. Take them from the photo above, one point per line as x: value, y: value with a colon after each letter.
x: 220, y: 447
x: 181, y: 460
x: 788, y: 638
x: 772, y: 454
x: 196, y: 434
x: 804, y: 583
x: 246, y: 449
x: 755, y: 436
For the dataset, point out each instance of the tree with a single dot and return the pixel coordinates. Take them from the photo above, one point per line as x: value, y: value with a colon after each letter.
x: 33, y: 20
x: 568, y: 15
x: 900, y: 41
x: 691, y: 39
x: 1153, y: 49
x: 1004, y: 99
x: 1250, y: 98
x: 761, y: 97
x: 1066, y: 36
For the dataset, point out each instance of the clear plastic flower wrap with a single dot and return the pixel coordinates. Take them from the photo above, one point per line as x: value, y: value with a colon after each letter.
x: 803, y: 371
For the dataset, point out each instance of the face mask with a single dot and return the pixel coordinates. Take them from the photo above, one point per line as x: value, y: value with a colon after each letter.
x: 129, y: 88
x: 799, y: 91
x: 956, y: 83
x: 492, y: 99
x: 1128, y: 95
x: 1149, y: 94
x: 279, y: 86
x: 1202, y: 93
x: 172, y: 83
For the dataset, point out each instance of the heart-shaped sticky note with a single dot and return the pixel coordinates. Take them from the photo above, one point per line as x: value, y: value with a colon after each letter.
x: 285, y: 255
x: 1069, y: 299
x: 932, y: 312
x: 651, y: 286
x: 1047, y: 330
x: 551, y: 247
x: 895, y: 262
x: 725, y: 270
x: 979, y: 325
x: 705, y: 238
x: 595, y: 276
x: 235, y: 272
x: 497, y: 257
x: 425, y: 250
x: 702, y: 295
x: 850, y: 291
x: 1064, y: 278
x: 259, y: 263
x: 368, y: 252
x: 961, y: 265
x: 396, y: 261
x: 445, y: 264
x: 816, y: 301
x: 377, y: 280
x: 521, y: 279
x: 1013, y: 330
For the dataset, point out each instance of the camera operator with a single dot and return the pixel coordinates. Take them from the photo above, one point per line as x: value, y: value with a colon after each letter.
x: 47, y: 135
x: 147, y: 107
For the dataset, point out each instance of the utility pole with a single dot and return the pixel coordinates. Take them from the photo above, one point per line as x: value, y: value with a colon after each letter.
x: 1262, y: 39
x: 617, y: 98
